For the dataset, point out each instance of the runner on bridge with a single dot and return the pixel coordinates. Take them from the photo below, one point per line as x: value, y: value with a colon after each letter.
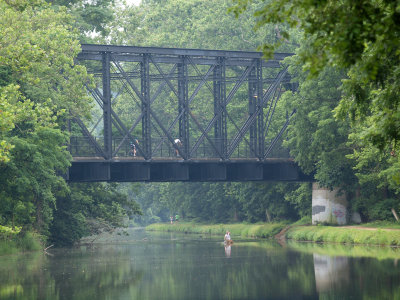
x: 178, y: 144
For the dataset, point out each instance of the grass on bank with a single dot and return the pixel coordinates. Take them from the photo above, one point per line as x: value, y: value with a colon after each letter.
x: 14, y: 241
x: 333, y: 234
x: 381, y: 224
x: 299, y: 231
x: 258, y: 230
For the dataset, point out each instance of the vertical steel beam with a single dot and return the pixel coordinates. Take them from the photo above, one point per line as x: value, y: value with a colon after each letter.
x: 224, y: 113
x: 219, y: 90
x: 217, y: 103
x: 183, y: 105
x: 253, y: 96
x: 145, y: 93
x: 260, y: 117
x: 107, y: 105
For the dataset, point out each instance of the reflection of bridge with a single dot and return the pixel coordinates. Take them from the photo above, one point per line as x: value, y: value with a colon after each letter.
x: 219, y: 104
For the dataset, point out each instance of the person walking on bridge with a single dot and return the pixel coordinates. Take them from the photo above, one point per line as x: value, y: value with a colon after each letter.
x: 178, y: 144
x: 133, y: 150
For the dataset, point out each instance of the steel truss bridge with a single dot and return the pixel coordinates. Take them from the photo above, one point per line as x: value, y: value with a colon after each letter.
x: 220, y: 105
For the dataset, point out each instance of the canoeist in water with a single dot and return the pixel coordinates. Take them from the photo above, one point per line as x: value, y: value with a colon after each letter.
x: 227, y: 238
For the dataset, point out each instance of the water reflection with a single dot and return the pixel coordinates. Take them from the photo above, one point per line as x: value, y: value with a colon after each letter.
x: 171, y: 266
x: 228, y: 249
x: 89, y: 273
x: 330, y: 271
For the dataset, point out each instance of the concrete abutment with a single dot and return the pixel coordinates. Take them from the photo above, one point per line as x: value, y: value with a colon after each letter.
x: 328, y: 206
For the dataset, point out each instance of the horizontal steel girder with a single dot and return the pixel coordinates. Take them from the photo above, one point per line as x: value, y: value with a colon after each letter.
x: 177, y: 51
x: 168, y: 171
x: 273, y: 63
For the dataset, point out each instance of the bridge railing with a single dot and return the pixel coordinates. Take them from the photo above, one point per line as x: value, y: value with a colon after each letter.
x: 81, y: 147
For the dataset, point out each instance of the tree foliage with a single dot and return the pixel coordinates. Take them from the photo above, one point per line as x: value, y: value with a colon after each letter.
x: 223, y: 202
x: 360, y: 37
x: 39, y: 83
x: 41, y: 88
x: 317, y: 141
x: 89, y: 17
x: 190, y: 24
x: 90, y: 208
x: 360, y: 41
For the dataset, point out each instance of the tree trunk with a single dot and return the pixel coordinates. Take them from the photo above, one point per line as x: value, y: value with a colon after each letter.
x: 268, y: 216
x: 39, y: 214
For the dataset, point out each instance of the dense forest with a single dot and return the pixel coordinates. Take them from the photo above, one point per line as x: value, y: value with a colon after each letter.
x: 345, y: 131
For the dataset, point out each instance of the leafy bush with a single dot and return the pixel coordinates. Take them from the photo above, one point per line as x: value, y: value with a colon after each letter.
x: 381, y: 210
x: 6, y: 232
x: 23, y: 241
x: 29, y: 241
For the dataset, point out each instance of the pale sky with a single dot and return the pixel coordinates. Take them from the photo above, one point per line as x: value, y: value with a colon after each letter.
x: 135, y: 2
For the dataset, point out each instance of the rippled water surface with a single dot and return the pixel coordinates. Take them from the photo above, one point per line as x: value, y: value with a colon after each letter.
x: 172, y: 266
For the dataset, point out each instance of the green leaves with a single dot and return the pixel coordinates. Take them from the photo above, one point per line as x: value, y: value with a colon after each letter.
x: 345, y: 125
x: 37, y: 49
x: 361, y: 37
x: 38, y: 84
x: 90, y: 208
x: 90, y: 17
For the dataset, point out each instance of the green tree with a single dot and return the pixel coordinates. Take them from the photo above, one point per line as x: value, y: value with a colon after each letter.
x: 29, y: 181
x: 360, y: 37
x: 7, y: 118
x: 38, y: 47
x: 187, y: 24
x: 39, y: 84
x: 263, y: 202
x: 90, y: 208
x: 90, y: 17
x: 316, y: 140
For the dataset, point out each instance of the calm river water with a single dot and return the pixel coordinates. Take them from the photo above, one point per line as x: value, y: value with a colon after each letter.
x: 171, y: 266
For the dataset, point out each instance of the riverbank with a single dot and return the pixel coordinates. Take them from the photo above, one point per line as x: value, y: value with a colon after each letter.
x: 13, y: 241
x: 258, y: 230
x: 366, y: 234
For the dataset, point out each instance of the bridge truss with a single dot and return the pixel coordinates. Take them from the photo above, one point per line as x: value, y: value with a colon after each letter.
x: 219, y: 104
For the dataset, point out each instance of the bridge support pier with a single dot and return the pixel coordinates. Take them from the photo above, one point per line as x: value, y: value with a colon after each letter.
x: 328, y: 206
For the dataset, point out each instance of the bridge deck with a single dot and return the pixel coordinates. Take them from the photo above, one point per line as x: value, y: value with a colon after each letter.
x: 134, y: 169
